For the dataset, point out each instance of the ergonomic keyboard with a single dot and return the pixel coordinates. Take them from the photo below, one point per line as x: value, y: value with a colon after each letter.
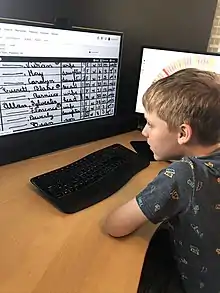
x: 91, y: 179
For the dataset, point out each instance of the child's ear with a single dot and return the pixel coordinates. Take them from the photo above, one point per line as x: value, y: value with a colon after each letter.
x: 184, y: 134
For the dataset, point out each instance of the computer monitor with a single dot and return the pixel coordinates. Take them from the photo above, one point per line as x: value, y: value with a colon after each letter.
x: 54, y: 78
x: 157, y: 63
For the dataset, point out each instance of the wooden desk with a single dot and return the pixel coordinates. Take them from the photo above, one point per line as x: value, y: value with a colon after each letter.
x: 45, y: 251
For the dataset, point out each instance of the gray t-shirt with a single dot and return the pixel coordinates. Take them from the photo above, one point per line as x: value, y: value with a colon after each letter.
x: 186, y: 195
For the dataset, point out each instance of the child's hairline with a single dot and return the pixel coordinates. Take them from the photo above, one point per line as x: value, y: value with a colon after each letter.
x: 170, y: 126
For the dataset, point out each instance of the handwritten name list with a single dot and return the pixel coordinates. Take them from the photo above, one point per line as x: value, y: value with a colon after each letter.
x: 41, y: 94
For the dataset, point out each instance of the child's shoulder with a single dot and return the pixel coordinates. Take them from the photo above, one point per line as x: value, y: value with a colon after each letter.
x: 178, y: 169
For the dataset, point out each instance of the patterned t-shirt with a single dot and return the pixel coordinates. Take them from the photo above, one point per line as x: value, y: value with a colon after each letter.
x: 186, y: 195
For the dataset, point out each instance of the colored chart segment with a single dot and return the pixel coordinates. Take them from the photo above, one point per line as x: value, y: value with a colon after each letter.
x: 195, y: 61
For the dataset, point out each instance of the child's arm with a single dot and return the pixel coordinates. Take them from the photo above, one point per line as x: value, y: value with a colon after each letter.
x: 165, y: 197
x: 125, y: 219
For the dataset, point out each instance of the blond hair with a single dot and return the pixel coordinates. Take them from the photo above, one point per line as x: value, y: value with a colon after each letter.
x: 189, y: 96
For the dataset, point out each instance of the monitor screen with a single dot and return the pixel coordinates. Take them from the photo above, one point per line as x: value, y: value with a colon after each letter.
x: 53, y: 77
x: 159, y: 63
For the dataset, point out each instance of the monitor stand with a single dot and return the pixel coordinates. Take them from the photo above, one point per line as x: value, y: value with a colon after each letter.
x: 143, y: 149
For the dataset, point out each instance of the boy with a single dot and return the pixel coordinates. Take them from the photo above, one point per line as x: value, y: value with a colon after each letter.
x: 183, y: 122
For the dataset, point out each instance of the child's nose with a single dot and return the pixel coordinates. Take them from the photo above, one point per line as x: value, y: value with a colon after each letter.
x: 145, y: 131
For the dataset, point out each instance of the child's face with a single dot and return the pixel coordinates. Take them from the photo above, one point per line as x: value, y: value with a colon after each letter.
x: 163, y: 143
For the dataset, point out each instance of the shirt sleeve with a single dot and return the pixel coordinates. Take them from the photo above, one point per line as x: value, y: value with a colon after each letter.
x: 168, y: 194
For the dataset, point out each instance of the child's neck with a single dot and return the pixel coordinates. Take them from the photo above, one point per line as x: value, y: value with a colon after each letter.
x: 200, y: 151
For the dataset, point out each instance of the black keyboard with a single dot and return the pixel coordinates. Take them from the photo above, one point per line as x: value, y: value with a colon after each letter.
x: 91, y: 179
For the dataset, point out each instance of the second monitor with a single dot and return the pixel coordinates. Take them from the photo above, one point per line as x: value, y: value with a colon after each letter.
x: 157, y: 63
